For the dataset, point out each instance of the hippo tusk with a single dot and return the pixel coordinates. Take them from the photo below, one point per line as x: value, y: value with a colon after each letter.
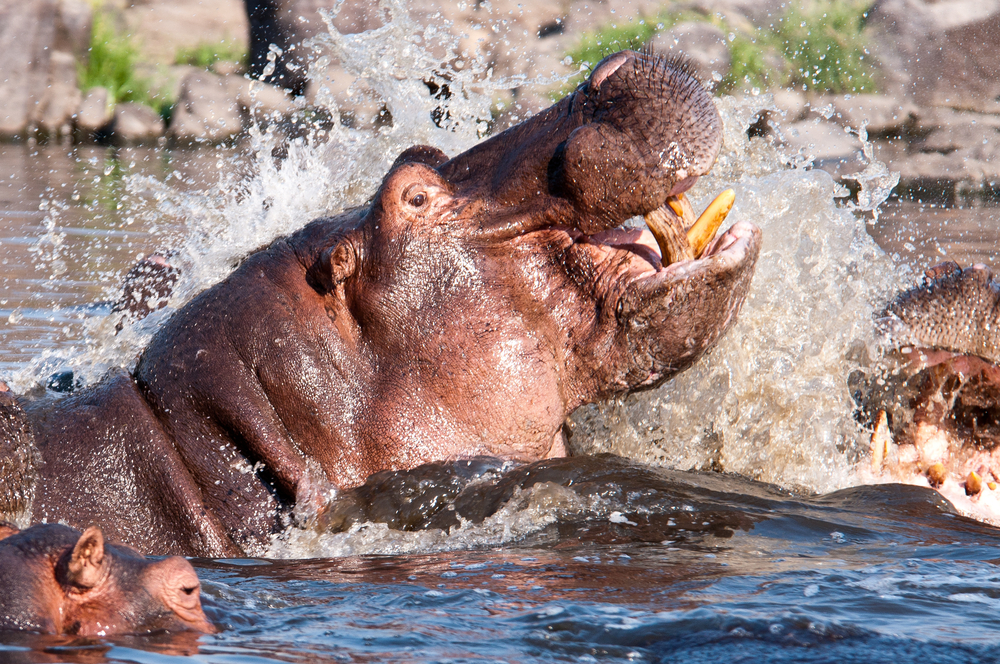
x: 667, y: 228
x: 881, y: 440
x: 703, y: 231
x: 679, y: 235
x: 973, y: 484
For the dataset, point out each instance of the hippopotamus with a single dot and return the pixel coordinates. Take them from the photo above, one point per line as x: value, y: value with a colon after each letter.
x: 56, y: 580
x: 935, y: 404
x: 466, y: 309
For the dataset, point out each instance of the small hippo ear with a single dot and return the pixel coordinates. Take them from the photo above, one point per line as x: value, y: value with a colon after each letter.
x: 336, y: 264
x: 86, y: 563
x: 7, y: 529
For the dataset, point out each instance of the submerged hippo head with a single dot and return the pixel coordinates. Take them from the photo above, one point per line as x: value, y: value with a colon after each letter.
x: 55, y: 580
x: 937, y: 404
x: 466, y: 310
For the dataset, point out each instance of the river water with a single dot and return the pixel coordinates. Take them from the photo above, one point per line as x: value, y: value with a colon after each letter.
x: 681, y: 553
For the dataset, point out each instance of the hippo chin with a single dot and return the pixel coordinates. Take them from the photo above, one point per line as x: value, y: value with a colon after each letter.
x: 467, y: 310
x: 935, y: 407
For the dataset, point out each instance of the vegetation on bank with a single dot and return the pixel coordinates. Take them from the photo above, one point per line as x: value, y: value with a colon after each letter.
x: 205, y: 54
x: 819, y: 47
x: 111, y: 63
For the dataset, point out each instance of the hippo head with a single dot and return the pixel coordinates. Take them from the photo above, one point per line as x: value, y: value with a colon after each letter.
x: 57, y: 580
x: 497, y: 291
x: 935, y: 405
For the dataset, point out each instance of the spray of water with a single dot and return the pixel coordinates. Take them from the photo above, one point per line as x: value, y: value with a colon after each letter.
x: 771, y: 401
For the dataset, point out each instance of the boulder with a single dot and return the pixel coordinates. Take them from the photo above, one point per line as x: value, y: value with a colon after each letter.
x: 75, y: 20
x: 54, y: 114
x: 206, y: 110
x: 136, y: 124
x: 40, y: 40
x: 940, y: 53
x: 828, y: 146
x: 95, y: 112
x: 886, y: 116
x: 27, y: 34
x: 791, y: 103
x: 261, y: 101
x: 704, y: 45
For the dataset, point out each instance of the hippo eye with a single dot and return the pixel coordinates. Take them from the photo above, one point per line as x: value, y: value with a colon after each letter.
x: 418, y: 199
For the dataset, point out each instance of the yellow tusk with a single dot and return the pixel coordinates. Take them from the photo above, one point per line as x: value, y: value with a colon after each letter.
x: 973, y: 484
x: 681, y: 205
x: 704, y: 229
x: 669, y: 234
x: 936, y: 474
x: 881, y: 439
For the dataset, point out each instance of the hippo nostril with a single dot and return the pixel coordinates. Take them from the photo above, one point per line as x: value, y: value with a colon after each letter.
x: 606, y: 68
x: 188, y: 591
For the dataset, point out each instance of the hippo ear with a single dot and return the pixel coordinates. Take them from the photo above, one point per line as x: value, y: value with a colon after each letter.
x: 335, y: 264
x: 87, y: 561
x: 7, y: 529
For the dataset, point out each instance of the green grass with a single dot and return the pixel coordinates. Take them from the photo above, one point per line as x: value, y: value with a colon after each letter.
x: 205, y: 54
x: 826, y: 46
x: 111, y: 63
x: 819, y: 46
x: 594, y: 46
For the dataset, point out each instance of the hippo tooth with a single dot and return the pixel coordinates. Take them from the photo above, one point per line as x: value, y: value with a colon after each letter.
x: 681, y: 205
x: 668, y: 229
x: 881, y: 439
x: 936, y: 474
x: 973, y: 484
x: 704, y: 229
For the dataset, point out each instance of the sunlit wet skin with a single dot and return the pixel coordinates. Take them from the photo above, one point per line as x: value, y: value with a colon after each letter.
x: 937, y: 407
x: 467, y: 310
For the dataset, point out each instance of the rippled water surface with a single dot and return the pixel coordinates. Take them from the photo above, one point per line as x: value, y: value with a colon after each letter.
x: 748, y: 573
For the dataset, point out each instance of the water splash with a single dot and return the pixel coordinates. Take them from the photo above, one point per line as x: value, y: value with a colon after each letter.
x: 771, y: 401
x: 275, y: 183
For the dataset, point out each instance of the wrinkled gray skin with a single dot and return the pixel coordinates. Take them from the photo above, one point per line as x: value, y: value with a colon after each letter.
x: 940, y: 387
x: 467, y: 310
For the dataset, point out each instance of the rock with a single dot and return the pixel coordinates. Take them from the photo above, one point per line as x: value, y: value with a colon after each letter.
x: 163, y: 27
x: 940, y: 53
x: 205, y: 110
x: 95, y: 112
x: 705, y: 46
x: 27, y: 33
x: 260, y: 100
x: 75, y: 20
x: 791, y: 103
x: 886, y: 116
x: 38, y: 83
x: 828, y: 145
x: 228, y: 68
x: 54, y: 114
x: 969, y: 135
x: 136, y: 124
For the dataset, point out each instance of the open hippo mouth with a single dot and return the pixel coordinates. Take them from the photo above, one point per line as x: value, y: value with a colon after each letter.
x: 936, y: 408
x: 674, y: 244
